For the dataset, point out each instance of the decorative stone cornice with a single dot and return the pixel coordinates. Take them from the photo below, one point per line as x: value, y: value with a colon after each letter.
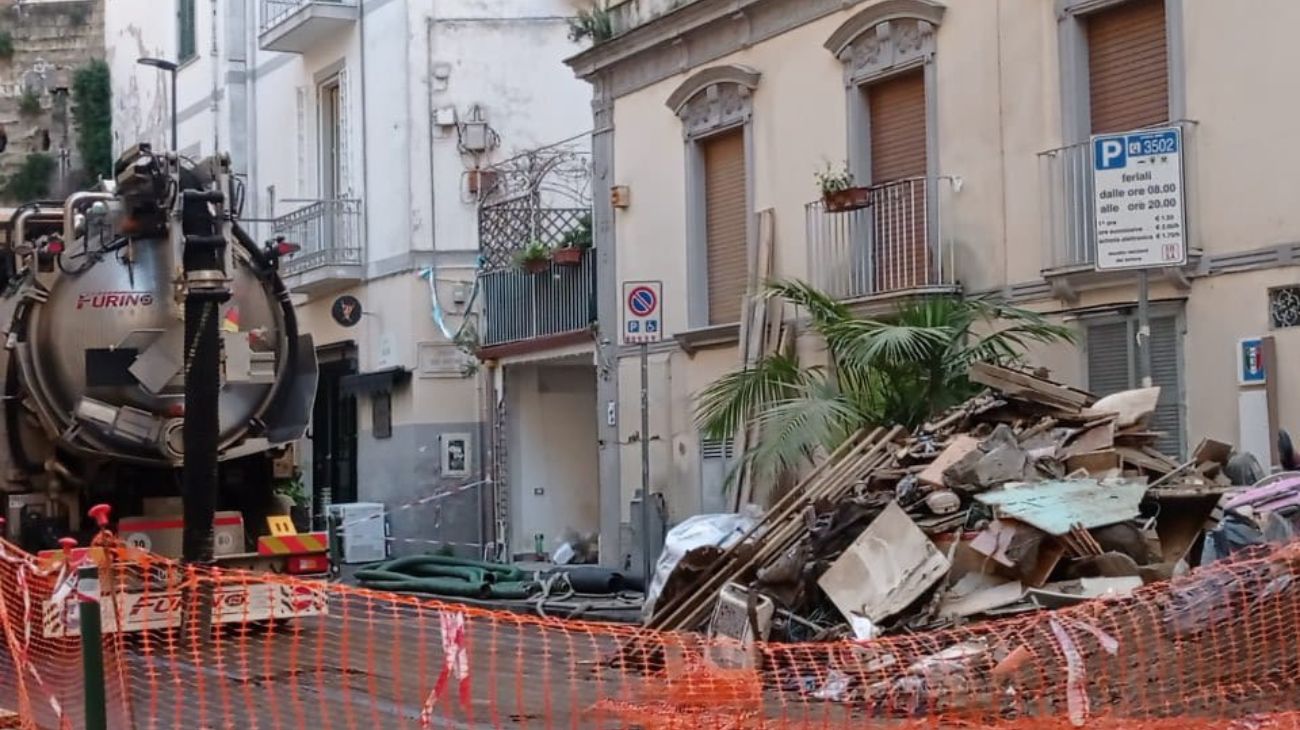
x: 692, y: 36
x: 854, y: 27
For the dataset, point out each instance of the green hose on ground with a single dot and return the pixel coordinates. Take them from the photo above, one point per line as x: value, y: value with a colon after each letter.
x: 440, y: 575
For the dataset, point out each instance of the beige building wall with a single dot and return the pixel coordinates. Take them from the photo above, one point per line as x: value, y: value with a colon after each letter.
x: 998, y: 106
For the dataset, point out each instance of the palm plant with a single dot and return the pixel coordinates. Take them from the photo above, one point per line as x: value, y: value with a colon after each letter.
x: 902, y: 369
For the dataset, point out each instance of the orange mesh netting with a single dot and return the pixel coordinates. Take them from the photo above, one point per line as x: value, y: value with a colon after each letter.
x: 1216, y: 649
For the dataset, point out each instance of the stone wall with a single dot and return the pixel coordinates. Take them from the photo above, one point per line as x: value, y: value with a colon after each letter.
x: 51, y: 40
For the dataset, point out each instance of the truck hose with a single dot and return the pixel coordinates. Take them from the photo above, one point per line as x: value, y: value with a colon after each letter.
x: 440, y: 575
x: 264, y: 270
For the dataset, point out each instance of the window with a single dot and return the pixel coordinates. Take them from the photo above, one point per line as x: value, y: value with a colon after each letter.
x: 896, y: 108
x: 725, y: 224
x: 1111, y: 354
x: 187, y: 32
x: 715, y: 107
x: 1284, y: 306
x: 887, y: 52
x: 331, y: 137
x: 1128, y: 66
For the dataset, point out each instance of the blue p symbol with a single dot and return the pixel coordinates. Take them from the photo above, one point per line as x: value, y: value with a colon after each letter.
x: 1110, y: 153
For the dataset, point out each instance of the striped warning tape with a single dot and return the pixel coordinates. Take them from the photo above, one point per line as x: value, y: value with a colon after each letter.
x: 308, y: 542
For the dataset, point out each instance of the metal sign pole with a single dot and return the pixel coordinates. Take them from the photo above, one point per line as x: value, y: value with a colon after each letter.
x: 646, y: 559
x: 1144, y: 328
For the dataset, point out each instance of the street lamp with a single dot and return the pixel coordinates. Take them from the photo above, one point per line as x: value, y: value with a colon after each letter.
x: 169, y: 67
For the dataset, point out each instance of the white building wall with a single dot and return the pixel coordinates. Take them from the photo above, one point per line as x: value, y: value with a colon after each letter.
x: 505, y: 56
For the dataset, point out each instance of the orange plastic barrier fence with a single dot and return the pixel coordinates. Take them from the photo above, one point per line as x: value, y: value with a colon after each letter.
x: 1216, y: 649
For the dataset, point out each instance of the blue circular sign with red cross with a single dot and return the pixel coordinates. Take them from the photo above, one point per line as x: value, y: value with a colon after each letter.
x: 642, y: 301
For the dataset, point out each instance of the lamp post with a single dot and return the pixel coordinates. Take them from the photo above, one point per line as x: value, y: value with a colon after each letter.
x: 170, y: 67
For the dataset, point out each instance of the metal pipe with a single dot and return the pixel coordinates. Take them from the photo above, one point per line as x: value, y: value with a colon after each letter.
x: 70, y: 211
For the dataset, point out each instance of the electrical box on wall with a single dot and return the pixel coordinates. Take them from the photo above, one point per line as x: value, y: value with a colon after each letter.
x: 445, y: 116
x: 474, y: 136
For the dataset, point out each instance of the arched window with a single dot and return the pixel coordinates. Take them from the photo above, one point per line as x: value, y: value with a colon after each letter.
x: 715, y: 108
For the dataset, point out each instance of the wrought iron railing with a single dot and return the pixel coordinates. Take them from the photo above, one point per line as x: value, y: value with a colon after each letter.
x: 895, y: 243
x: 328, y: 232
x: 275, y: 11
x: 1069, y: 217
x: 521, y: 306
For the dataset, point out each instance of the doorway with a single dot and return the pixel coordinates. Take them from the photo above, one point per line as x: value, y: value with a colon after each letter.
x: 333, y: 433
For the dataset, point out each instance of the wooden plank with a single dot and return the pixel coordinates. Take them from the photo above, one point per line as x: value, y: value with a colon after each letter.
x: 1098, y: 438
x: 838, y: 478
x: 725, y: 568
x: 754, y: 341
x: 1028, y: 387
x: 1094, y: 462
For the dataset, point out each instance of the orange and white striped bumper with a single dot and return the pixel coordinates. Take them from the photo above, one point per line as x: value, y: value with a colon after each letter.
x: 307, y: 542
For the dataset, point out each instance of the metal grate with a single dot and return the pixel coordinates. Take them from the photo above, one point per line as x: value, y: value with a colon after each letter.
x: 1284, y: 306
x: 522, y: 306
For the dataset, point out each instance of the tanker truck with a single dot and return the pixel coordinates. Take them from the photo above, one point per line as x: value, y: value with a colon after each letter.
x: 92, y: 293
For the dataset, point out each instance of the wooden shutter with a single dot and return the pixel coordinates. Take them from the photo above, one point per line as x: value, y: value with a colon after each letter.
x: 897, y: 127
x: 898, y: 216
x: 725, y: 218
x: 1128, y: 66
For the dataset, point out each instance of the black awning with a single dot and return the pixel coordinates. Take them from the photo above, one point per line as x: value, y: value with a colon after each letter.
x: 379, y: 381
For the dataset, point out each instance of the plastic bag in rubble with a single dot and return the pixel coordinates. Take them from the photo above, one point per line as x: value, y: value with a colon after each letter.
x: 702, y: 530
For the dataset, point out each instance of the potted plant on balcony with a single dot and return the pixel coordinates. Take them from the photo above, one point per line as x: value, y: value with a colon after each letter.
x: 574, y: 243
x: 534, y: 258
x: 839, y: 193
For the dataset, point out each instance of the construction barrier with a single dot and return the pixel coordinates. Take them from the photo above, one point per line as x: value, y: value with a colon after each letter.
x: 1219, y: 648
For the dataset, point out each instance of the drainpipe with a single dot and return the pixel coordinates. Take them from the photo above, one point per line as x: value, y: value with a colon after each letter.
x: 433, y: 187
x: 216, y: 85
x: 365, y: 146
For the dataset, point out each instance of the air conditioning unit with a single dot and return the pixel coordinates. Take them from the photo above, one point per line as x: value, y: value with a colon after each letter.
x: 358, y: 532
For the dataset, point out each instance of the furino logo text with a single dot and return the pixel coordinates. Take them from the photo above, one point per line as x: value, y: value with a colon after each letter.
x: 114, y: 299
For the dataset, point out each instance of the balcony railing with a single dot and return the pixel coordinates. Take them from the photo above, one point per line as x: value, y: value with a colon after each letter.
x: 521, y: 306
x: 293, y: 26
x: 329, y: 232
x: 1069, y: 217
x: 895, y: 244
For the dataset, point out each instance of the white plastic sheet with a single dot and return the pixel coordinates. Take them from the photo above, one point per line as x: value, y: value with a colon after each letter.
x: 695, y: 532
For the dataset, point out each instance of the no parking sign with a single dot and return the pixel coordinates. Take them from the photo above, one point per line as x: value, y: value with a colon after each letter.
x: 642, y: 312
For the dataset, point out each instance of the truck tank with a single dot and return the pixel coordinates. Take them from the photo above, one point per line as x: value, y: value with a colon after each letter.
x: 94, y: 369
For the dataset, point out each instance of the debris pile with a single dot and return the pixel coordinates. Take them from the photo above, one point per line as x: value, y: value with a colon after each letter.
x: 1033, y: 495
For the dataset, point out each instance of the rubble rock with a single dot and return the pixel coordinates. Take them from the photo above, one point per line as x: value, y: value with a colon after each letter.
x: 1001, y: 465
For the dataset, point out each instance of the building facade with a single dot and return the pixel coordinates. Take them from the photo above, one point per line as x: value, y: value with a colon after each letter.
x: 970, y: 124
x: 361, y: 128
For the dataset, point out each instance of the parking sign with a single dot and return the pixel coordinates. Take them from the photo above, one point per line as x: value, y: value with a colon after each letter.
x: 642, y: 312
x: 1138, y: 199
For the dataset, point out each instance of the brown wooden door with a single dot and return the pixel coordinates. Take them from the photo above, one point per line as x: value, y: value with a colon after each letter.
x: 1128, y: 67
x: 898, y: 216
x: 725, y: 224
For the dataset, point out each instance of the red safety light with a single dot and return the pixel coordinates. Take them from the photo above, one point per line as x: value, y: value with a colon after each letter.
x: 306, y: 564
x: 284, y: 248
x: 54, y: 247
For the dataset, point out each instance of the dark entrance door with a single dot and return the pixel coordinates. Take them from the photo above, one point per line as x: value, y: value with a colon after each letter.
x: 334, y: 433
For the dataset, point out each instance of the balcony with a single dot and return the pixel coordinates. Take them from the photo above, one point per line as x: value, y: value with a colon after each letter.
x: 1069, y: 217
x: 893, y: 247
x: 329, y: 234
x: 519, y: 306
x: 293, y: 26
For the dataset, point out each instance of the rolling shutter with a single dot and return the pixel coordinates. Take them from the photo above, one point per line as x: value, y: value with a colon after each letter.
x: 724, y: 205
x: 897, y: 110
x: 1128, y: 66
x: 1112, y: 367
x: 1168, y: 418
x: 1108, y: 358
x: 900, y: 252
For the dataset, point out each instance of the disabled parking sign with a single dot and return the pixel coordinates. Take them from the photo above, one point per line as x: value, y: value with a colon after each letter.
x: 642, y: 312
